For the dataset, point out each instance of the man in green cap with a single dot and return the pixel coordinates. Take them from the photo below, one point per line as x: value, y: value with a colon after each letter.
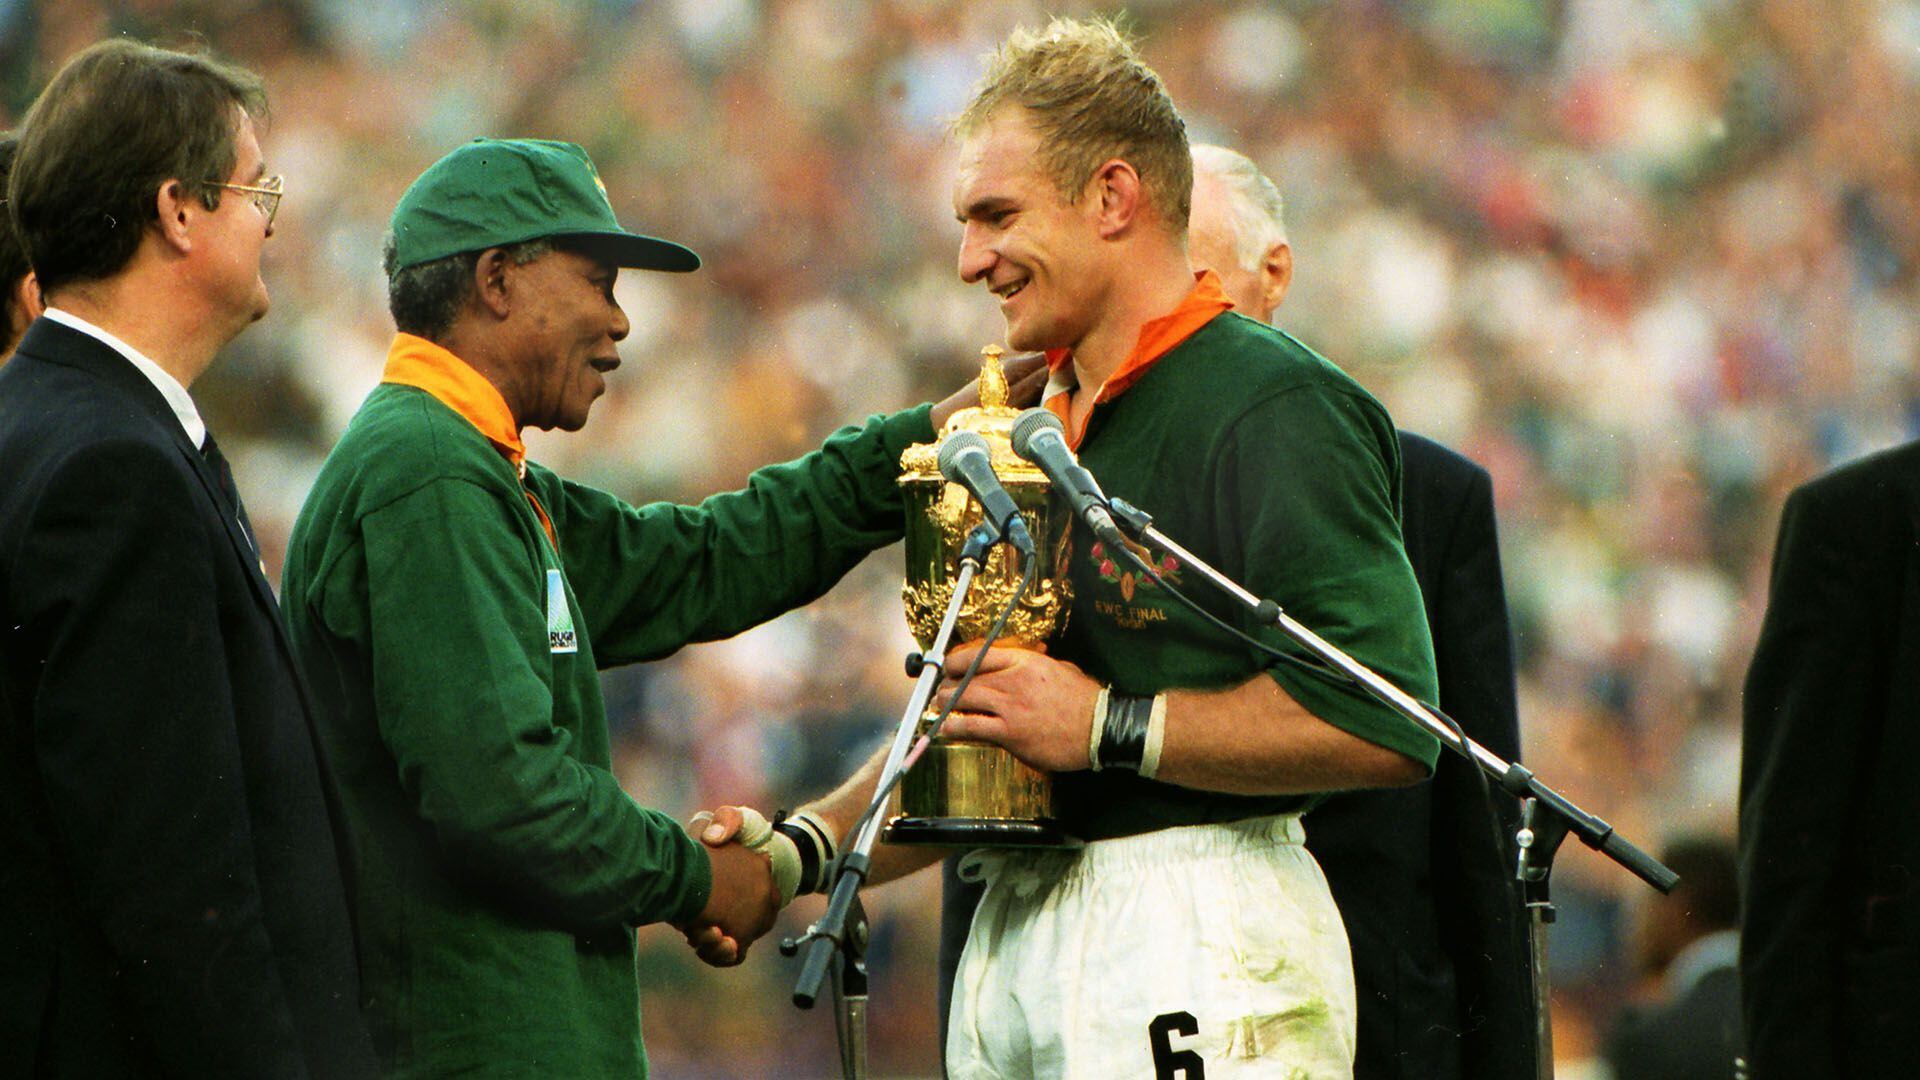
x: 451, y: 603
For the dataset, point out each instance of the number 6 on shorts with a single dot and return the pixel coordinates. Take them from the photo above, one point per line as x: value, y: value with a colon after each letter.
x: 1168, y: 1062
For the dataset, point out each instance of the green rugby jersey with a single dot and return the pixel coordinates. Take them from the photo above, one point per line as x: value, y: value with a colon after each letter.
x: 1259, y: 456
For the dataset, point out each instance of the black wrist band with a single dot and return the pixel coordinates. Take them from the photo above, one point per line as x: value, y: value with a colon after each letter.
x: 1123, y: 732
x: 809, y: 848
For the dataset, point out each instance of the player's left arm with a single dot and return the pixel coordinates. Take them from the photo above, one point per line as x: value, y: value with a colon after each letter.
x: 1253, y: 738
x: 1305, y: 485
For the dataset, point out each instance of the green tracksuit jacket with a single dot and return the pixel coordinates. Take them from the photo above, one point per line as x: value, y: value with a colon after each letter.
x: 498, y: 867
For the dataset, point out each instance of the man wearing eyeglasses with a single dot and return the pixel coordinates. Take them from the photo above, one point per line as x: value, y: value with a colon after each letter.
x: 172, y: 898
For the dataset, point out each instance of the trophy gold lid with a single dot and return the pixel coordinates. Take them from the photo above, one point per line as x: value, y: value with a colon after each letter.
x: 992, y: 420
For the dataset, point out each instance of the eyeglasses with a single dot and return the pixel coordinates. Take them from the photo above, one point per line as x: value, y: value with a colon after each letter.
x: 265, y: 195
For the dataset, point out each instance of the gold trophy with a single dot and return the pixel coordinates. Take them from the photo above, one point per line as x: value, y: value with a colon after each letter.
x: 962, y: 793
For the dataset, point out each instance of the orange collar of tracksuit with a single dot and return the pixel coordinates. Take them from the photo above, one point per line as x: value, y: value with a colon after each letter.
x: 419, y: 363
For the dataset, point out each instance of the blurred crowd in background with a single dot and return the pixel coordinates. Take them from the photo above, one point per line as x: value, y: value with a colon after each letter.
x: 1651, y: 262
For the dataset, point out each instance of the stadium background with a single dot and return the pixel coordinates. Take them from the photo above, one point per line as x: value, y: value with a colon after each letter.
x: 1652, y: 262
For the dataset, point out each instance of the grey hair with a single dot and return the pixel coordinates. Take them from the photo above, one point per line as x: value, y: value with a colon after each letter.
x: 426, y: 298
x: 1255, y: 206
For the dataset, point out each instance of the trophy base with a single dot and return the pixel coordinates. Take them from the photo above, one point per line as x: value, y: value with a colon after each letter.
x: 976, y: 833
x: 966, y: 794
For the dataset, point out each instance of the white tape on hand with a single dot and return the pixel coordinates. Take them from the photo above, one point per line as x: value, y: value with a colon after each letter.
x: 754, y: 828
x: 757, y: 834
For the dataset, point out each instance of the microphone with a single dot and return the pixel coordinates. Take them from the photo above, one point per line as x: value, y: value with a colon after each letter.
x: 1039, y: 437
x: 964, y: 460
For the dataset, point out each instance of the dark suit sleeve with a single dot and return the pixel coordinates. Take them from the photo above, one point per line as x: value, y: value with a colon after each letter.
x: 135, y: 738
x: 1478, y: 904
x: 1473, y: 645
x: 1807, y: 714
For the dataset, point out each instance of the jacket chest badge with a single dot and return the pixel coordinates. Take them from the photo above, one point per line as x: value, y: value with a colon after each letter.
x: 560, y: 634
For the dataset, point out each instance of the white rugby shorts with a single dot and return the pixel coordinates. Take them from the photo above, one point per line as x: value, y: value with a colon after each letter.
x: 1199, y: 951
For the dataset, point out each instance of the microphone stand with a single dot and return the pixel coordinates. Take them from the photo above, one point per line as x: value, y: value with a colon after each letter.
x: 840, y: 934
x: 1546, y: 816
x: 850, y: 1027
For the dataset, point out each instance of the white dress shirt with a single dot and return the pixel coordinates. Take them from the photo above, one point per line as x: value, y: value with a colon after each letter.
x: 168, y: 386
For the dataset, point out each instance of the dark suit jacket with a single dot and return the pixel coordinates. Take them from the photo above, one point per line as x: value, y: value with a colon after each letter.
x: 171, y: 899
x: 1439, y: 942
x: 1829, y: 855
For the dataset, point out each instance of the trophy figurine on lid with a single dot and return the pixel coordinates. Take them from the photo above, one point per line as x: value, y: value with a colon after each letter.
x: 963, y: 793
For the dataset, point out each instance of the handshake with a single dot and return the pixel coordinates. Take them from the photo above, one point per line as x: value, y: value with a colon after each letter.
x: 759, y: 866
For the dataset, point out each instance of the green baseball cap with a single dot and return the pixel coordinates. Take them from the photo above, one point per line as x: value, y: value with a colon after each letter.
x: 495, y: 192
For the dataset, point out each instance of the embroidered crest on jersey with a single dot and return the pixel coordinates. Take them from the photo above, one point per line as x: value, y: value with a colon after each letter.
x: 1115, y: 569
x: 560, y: 635
x: 1131, y: 578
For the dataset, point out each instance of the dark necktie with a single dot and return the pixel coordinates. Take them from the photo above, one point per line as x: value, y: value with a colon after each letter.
x: 223, y: 473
